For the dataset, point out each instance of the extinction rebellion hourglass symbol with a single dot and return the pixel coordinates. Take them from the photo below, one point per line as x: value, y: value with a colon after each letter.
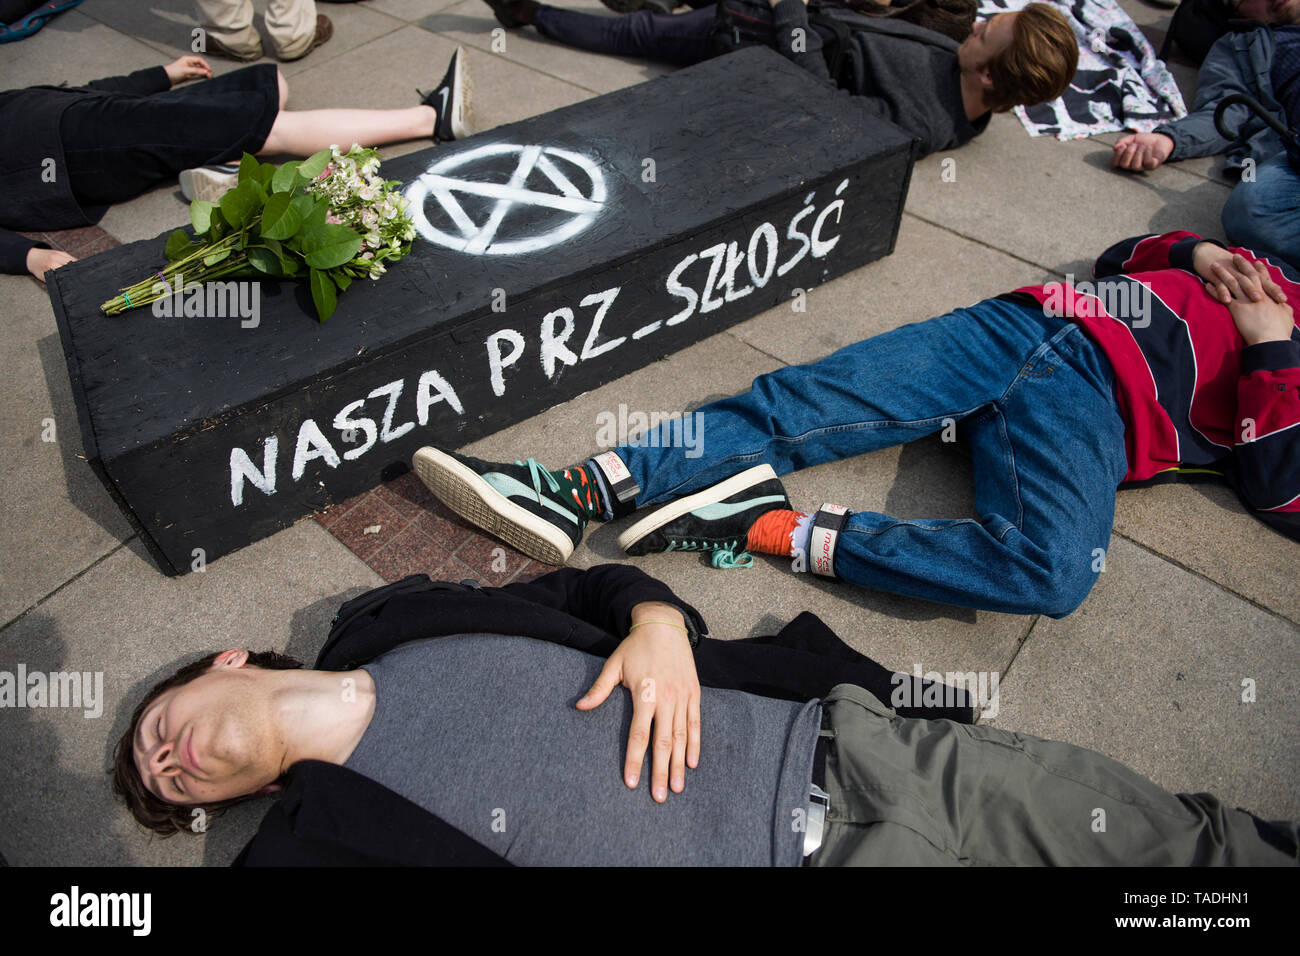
x: 476, y: 202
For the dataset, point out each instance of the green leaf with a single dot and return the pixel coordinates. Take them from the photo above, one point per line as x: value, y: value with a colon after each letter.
x: 323, y: 294
x: 286, y: 177
x: 314, y: 218
x: 265, y: 260
x: 327, y: 246
x: 241, y: 204
x: 314, y: 165
x: 342, y: 278
x: 201, y: 215
x: 179, y: 245
x: 265, y: 173
x: 211, y: 259
x: 247, y: 168
x: 280, y: 219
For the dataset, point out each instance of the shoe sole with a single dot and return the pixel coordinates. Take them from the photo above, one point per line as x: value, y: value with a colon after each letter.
x: 462, y: 110
x: 467, y: 494
x: 203, y: 185
x: 714, y: 493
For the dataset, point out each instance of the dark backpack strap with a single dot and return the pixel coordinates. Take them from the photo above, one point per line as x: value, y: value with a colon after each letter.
x: 835, y: 48
x: 742, y: 23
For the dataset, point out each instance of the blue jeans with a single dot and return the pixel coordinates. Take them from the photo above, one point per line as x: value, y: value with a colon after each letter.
x: 1264, y: 216
x: 683, y: 38
x: 1036, y: 403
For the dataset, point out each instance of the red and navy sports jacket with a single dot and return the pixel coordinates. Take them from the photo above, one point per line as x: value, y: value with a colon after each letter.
x: 1196, y: 400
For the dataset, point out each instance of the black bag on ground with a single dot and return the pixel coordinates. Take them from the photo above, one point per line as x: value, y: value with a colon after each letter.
x: 742, y: 23
x: 1196, y: 25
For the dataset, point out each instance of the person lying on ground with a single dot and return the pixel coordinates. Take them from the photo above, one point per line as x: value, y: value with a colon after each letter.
x: 422, y: 740
x: 1180, y: 361
x: 68, y: 153
x: 1263, y: 62
x: 927, y: 84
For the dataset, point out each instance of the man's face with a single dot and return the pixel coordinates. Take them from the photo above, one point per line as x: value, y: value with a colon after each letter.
x: 987, y: 40
x: 210, y: 739
x: 1268, y: 11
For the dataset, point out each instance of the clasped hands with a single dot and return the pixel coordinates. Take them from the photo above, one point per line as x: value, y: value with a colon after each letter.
x: 1258, y: 305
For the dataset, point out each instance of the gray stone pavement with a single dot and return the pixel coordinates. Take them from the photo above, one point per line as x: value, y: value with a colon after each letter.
x: 1198, y: 599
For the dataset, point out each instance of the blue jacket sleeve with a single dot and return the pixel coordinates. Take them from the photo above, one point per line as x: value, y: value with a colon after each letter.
x: 1195, y: 134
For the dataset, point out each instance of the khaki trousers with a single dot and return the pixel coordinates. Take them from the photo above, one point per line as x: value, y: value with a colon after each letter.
x: 912, y: 792
x: 290, y: 23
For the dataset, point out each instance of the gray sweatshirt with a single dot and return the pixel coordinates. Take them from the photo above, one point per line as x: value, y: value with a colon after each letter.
x: 908, y: 74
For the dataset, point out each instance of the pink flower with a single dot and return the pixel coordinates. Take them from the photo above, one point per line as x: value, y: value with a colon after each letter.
x: 333, y: 220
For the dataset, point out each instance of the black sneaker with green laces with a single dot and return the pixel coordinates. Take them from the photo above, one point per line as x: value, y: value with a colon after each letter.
x: 535, y: 510
x: 716, y: 519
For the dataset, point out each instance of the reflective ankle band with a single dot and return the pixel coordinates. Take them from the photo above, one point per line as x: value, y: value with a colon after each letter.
x: 825, y: 534
x: 620, y: 482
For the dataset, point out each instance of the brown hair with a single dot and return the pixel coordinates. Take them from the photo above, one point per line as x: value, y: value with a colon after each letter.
x: 158, y: 815
x: 1039, y: 63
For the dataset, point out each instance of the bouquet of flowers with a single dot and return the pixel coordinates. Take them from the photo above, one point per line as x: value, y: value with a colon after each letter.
x: 329, y: 219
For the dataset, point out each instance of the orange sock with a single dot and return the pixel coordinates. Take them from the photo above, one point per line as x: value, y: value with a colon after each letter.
x: 772, y: 532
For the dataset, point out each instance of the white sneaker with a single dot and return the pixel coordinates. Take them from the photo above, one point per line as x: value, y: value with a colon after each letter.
x: 208, y: 183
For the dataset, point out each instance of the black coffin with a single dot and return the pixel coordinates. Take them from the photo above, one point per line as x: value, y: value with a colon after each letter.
x: 563, y: 252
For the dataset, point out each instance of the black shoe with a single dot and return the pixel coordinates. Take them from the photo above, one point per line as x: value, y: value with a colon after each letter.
x: 451, y: 101
x: 505, y: 13
x: 716, y: 519
x: 539, y: 512
x: 632, y: 6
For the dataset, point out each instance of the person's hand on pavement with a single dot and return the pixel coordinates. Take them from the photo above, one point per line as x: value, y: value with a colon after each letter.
x: 40, y: 261
x: 188, y: 68
x: 1141, y: 151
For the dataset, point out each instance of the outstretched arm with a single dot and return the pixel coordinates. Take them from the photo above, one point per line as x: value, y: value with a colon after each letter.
x: 18, y: 254
x: 155, y: 79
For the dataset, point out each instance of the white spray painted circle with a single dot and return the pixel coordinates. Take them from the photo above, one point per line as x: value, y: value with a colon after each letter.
x: 475, y: 238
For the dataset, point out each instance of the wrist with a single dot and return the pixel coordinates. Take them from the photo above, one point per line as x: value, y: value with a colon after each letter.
x: 1264, y: 338
x: 648, y: 612
x: 657, y: 611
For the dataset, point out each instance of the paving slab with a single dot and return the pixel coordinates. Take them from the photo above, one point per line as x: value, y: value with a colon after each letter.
x: 471, y: 22
x: 167, y: 26
x: 1152, y: 671
x: 411, y: 11
x: 126, y: 621
x: 1206, y: 529
x: 503, y: 91
x: 161, y: 209
x: 1057, y: 205
x: 76, y: 48
x: 56, y: 517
